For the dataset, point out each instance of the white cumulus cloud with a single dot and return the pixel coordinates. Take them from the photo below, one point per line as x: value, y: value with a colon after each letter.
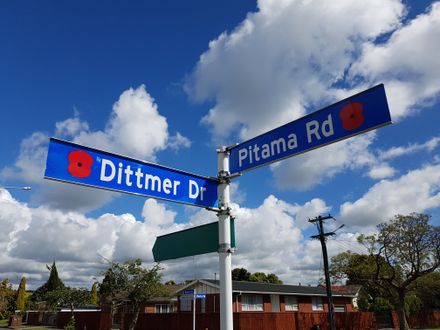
x: 381, y: 171
x: 269, y: 238
x: 284, y: 60
x: 405, y: 63
x: 416, y: 191
x: 312, y: 168
x: 394, y: 152
x: 134, y: 128
x: 294, y: 57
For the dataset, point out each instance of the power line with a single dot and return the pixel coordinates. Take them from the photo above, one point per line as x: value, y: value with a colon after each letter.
x: 351, y: 246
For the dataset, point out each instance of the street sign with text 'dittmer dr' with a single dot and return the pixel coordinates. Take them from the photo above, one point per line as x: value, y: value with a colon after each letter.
x: 352, y: 116
x: 74, y: 163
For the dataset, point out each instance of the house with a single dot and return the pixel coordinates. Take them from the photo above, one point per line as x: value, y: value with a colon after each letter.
x: 264, y: 297
x: 157, y: 305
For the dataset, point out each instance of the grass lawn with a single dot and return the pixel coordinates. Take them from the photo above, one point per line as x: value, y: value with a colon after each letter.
x: 4, y: 324
x: 33, y: 327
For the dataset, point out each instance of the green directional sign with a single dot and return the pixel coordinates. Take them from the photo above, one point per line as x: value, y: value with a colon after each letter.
x: 190, y: 242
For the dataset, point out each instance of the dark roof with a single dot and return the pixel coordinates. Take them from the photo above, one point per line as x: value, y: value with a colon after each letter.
x: 173, y: 287
x: 300, y: 290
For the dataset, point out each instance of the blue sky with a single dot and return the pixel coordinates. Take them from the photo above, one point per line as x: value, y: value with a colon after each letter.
x: 170, y: 81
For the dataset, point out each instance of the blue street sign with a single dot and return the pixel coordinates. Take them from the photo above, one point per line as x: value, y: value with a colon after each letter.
x: 188, y: 291
x: 200, y: 296
x: 352, y: 116
x: 73, y: 163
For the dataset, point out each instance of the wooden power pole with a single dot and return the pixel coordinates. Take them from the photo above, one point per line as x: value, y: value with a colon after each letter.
x: 322, y: 238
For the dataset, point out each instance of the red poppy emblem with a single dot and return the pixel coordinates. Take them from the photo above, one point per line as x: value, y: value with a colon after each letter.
x: 80, y: 163
x: 351, y: 116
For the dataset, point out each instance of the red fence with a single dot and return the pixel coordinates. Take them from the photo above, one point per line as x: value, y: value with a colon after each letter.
x: 86, y: 320
x: 425, y: 320
x: 242, y: 321
x: 178, y: 321
x: 300, y: 321
x: 252, y: 321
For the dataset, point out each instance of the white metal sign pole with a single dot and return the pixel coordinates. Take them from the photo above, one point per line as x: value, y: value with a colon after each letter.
x: 225, y: 252
x: 194, y: 309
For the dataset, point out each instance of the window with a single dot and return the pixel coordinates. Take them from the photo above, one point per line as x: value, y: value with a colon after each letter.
x: 339, y: 309
x: 317, y: 304
x: 252, y: 303
x: 163, y: 309
x: 202, y: 305
x: 185, y: 304
x: 291, y: 303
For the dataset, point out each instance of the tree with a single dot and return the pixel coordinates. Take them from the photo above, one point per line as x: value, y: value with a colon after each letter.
x: 263, y: 278
x: 6, y: 299
x: 21, y: 295
x: 68, y: 297
x: 427, y: 289
x: 272, y: 278
x: 356, y: 269
x: 129, y: 281
x: 403, y: 250
x: 54, y: 283
x: 94, y: 295
x: 258, y: 277
x: 240, y: 274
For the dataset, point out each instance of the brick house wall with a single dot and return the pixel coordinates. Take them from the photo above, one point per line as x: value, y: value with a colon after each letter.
x: 304, y: 304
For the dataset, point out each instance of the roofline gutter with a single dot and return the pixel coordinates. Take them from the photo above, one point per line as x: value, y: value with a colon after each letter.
x: 293, y: 293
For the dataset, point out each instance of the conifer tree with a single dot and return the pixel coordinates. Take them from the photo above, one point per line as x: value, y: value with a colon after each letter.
x: 94, y: 295
x: 21, y: 295
x: 53, y: 283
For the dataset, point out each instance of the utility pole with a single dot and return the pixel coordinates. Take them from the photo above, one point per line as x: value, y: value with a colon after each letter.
x: 322, y: 238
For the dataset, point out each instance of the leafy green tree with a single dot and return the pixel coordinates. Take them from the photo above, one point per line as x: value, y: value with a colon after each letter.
x: 28, y: 301
x: 94, y: 295
x: 361, y: 269
x: 21, y: 295
x: 404, y: 250
x: 263, y: 278
x: 413, y: 303
x: 130, y: 281
x: 272, y: 278
x: 258, y: 277
x: 54, y: 283
x: 240, y: 274
x: 70, y: 325
x: 67, y: 297
x: 427, y: 289
x: 7, y: 305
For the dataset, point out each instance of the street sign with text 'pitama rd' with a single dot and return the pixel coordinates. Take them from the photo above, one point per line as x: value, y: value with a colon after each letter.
x: 352, y: 116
